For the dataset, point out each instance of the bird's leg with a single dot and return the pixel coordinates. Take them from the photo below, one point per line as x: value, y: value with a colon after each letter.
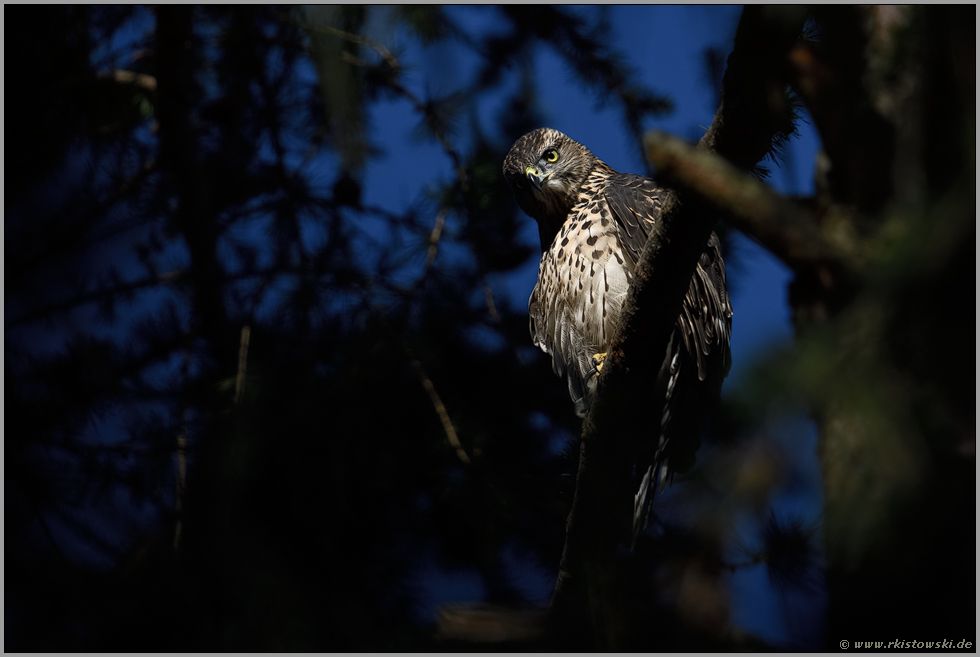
x: 597, y: 361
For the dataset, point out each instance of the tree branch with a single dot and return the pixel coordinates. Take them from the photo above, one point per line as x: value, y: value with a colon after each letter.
x: 590, y: 585
x: 753, y: 105
x: 447, y: 423
x: 33, y: 315
x: 122, y: 76
x: 789, y: 230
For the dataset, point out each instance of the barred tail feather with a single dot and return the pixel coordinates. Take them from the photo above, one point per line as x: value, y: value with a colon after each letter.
x: 642, y: 502
x: 658, y: 473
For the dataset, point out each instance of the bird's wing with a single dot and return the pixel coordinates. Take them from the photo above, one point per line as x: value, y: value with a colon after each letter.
x: 698, y: 356
x: 707, y: 312
x: 706, y: 316
x: 635, y: 202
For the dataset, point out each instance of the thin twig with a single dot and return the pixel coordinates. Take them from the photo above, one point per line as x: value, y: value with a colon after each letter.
x: 96, y: 295
x: 360, y: 40
x: 83, y: 231
x: 242, y: 360
x: 181, y: 483
x: 447, y: 423
x: 488, y: 293
x: 434, y: 241
x: 122, y: 76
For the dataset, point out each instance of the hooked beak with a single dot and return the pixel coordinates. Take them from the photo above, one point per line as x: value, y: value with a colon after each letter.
x: 535, y: 177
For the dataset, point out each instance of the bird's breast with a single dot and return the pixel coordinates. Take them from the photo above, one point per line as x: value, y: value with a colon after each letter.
x: 582, y: 283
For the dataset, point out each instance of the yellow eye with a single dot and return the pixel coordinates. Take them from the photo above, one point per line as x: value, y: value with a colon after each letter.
x: 551, y: 155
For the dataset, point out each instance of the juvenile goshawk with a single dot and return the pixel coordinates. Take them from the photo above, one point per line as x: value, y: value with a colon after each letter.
x: 593, y: 223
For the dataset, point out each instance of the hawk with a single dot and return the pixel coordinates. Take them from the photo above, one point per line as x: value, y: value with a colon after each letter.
x: 593, y: 223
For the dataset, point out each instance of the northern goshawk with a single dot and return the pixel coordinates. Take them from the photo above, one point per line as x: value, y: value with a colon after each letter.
x: 593, y: 223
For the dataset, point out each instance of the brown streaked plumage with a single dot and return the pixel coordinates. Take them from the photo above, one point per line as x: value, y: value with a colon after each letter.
x: 593, y: 223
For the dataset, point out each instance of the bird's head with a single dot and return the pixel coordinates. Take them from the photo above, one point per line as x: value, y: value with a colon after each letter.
x: 545, y: 169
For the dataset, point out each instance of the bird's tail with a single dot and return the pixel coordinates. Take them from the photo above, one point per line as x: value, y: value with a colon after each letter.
x: 659, y: 472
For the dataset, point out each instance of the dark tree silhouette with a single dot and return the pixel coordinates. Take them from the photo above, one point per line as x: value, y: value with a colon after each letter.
x: 245, y: 406
x: 883, y: 260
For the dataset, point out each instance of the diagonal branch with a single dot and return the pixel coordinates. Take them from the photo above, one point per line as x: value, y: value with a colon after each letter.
x: 447, y: 423
x: 242, y: 363
x: 788, y: 230
x: 590, y: 588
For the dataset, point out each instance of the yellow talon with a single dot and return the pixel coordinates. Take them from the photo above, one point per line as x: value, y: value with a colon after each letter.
x: 597, y: 362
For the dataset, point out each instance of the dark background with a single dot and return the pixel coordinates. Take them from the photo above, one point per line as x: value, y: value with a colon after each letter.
x: 330, y: 178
